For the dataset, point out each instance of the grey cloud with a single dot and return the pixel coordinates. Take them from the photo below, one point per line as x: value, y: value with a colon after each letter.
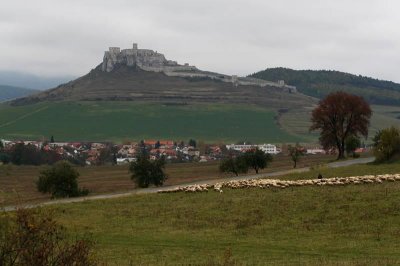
x: 68, y: 37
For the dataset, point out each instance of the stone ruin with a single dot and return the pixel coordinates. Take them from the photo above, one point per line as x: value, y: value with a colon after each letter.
x: 145, y: 59
x: 149, y: 60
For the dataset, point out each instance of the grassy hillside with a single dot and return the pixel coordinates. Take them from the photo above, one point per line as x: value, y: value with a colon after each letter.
x: 322, y: 82
x: 10, y: 92
x: 297, y: 121
x: 131, y: 84
x: 352, y: 225
x: 118, y: 121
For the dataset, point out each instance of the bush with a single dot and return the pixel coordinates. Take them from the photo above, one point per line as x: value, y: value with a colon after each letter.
x: 352, y: 143
x: 257, y: 159
x: 5, y: 158
x: 61, y: 181
x: 33, y: 238
x: 234, y: 165
x: 146, y: 172
x: 387, y: 144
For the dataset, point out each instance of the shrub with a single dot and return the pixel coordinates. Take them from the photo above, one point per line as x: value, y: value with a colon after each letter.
x: 33, y: 238
x: 295, y: 153
x: 234, y: 165
x: 352, y: 143
x: 257, y: 159
x: 387, y: 144
x: 5, y: 158
x: 61, y: 181
x: 146, y: 172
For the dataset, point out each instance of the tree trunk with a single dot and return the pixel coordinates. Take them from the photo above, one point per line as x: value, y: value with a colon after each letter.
x: 295, y: 164
x: 341, y: 152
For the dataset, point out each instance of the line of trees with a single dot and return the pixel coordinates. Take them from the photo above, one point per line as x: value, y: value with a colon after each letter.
x: 21, y: 154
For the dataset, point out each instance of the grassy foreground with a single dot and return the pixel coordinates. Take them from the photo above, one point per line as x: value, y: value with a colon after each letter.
x: 352, y: 225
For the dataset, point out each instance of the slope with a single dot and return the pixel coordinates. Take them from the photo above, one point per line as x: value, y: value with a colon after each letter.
x: 11, y: 92
x: 322, y: 82
x: 122, y: 120
x: 132, y: 84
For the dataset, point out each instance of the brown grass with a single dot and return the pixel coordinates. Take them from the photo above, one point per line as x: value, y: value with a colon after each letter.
x: 17, y: 183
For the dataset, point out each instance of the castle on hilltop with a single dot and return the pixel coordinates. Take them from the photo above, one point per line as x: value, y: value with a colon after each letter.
x: 145, y: 59
x: 149, y: 60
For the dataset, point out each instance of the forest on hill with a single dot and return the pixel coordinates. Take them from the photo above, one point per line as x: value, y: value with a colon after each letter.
x: 319, y: 83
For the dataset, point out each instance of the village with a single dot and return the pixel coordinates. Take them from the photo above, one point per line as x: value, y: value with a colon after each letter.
x: 100, y: 153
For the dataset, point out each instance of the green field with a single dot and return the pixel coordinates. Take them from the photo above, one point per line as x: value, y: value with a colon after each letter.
x: 351, y: 225
x: 119, y: 121
x: 297, y: 121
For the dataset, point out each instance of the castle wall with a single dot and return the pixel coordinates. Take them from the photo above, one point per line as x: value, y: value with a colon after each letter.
x: 149, y: 60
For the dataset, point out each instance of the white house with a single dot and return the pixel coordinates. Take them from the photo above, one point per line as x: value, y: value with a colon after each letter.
x: 316, y: 151
x: 121, y: 161
x: 267, y: 148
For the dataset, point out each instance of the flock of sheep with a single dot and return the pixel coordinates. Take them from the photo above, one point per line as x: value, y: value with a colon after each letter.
x: 276, y: 183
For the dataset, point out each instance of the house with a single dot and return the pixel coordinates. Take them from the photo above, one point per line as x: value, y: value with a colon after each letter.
x: 315, y: 151
x: 162, y: 143
x: 151, y: 142
x: 361, y: 150
x: 96, y: 145
x: 121, y: 161
x: 267, y: 148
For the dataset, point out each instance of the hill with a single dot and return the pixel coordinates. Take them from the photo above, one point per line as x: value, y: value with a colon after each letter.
x: 319, y: 83
x: 26, y: 80
x: 144, y: 75
x: 122, y: 120
x: 134, y: 84
x: 11, y: 92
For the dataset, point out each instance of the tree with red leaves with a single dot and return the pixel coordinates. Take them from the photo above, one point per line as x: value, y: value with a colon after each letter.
x: 339, y: 116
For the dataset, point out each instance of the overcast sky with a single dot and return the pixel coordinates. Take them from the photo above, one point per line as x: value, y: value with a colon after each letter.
x: 234, y: 37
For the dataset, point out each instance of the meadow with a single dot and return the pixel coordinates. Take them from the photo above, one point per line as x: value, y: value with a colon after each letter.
x: 119, y: 121
x: 126, y: 121
x: 296, y: 122
x: 17, y: 183
x: 350, y: 225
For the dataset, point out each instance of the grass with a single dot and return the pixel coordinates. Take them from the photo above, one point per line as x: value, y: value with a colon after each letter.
x: 17, y: 183
x: 352, y: 225
x: 354, y: 170
x: 297, y: 121
x: 118, y: 121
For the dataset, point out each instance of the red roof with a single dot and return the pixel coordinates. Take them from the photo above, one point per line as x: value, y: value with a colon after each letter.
x: 162, y: 142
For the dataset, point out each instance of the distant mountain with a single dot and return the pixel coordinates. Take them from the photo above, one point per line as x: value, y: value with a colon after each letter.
x: 25, y: 80
x: 10, y: 92
x: 322, y: 82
